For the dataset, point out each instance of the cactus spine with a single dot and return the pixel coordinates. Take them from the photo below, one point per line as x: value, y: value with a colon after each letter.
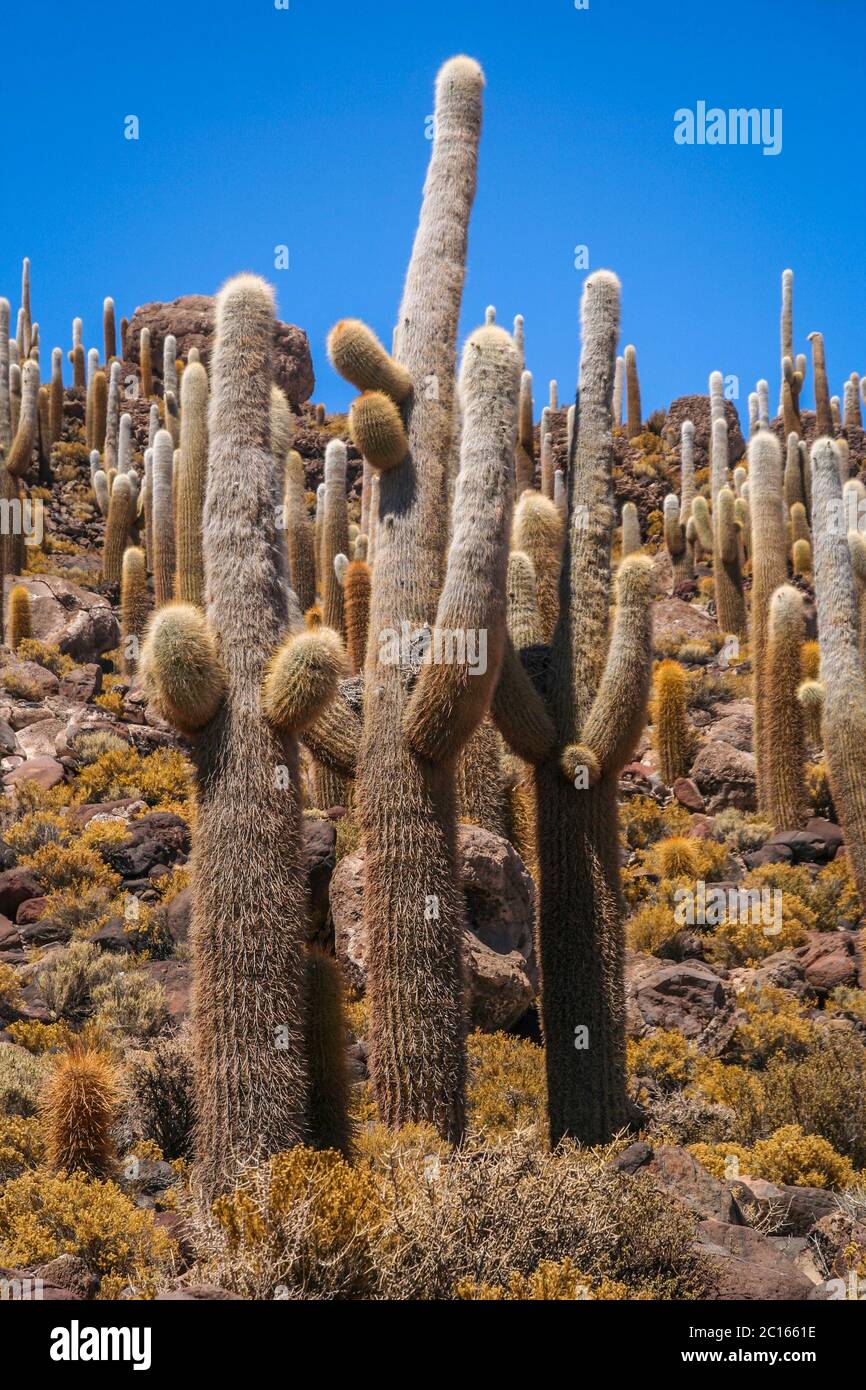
x: 162, y: 518
x: 80, y: 1108
x: 356, y: 601
x: 769, y: 572
x: 190, y: 485
x: 20, y: 617
x: 632, y: 391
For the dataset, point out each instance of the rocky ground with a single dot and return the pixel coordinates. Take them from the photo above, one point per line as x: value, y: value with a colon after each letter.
x: 747, y: 1050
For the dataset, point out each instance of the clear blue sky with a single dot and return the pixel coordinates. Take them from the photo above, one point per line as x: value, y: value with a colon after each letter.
x: 306, y: 127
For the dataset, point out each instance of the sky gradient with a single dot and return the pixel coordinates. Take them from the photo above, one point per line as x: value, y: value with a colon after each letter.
x: 262, y: 127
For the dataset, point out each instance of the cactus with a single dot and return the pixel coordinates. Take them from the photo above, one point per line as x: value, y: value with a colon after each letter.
x: 687, y: 471
x: 299, y: 534
x: 538, y: 531
x: 55, y: 428
x: 377, y: 430
x: 20, y: 617
x: 753, y: 413
x: 5, y: 402
x: 675, y: 540
x: 14, y: 393
x: 172, y: 417
x: 169, y: 366
x: 844, y: 709
x: 112, y: 417
x: 77, y: 358
x: 325, y: 1047
x: 719, y: 457
x: 124, y: 444
x: 547, y: 465
x: 482, y: 793
x: 618, y: 384
x: 763, y: 404
x: 799, y: 524
x: 134, y: 606
x: 356, y: 602
x: 98, y: 403
x: 120, y: 514
x: 189, y: 486
x: 630, y: 522
x: 524, y: 453
x: 523, y: 621
x: 823, y: 412
x: 672, y: 735
x: 80, y: 1108
x: 109, y: 333
x: 161, y: 534
x: 360, y: 359
x: 769, y: 572
x: 853, y: 414
x: 335, y: 532
x: 249, y: 909
x: 794, y: 486
x: 100, y: 488
x: 145, y: 358
x: 730, y: 600
x: 26, y: 341
x: 785, y: 799
x: 632, y: 392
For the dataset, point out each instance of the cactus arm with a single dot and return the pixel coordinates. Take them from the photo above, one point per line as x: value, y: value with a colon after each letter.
x: 519, y: 712
x: 451, y: 697
x: 333, y: 737
x: 303, y: 678
x: 181, y: 668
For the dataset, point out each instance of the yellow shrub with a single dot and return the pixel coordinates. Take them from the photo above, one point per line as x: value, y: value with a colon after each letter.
x: 43, y: 1216
x: 775, y: 1024
x: 41, y: 1037
x: 552, y: 1281
x: 65, y: 866
x: 111, y: 701
x: 643, y: 821
x: 717, y: 1159
x: 507, y: 1088
x: 788, y: 1156
x: 737, y: 1088
x: 52, y: 658
x: 818, y: 791
x: 665, y: 1056
x: 745, y: 942
x: 165, y: 775
x: 103, y: 835
x: 36, y: 829
x: 650, y: 926
x: 833, y: 897
x: 10, y: 989
x: 675, y: 857
x: 21, y: 1145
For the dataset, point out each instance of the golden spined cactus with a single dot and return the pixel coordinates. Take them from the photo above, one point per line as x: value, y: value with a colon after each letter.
x: 44, y: 451
x: 145, y: 359
x: 823, y: 413
x: 335, y: 532
x: 769, y: 572
x: 20, y: 619
x: 634, y: 418
x: 326, y: 1041
x: 673, y: 737
x: 109, y: 331
x: 55, y: 425
x: 547, y: 465
x: 134, y: 607
x: 801, y: 558
x: 719, y: 457
x: 360, y: 358
x: 524, y: 453
x: 844, y: 712
x: 356, y: 602
x: 182, y: 667
x: 117, y: 528
x: 190, y: 485
x: 377, y: 430
x: 785, y: 798
x: 727, y: 572
x: 80, y: 1108
x: 300, y: 541
x: 538, y: 531
x: 14, y: 393
x: 794, y: 486
x: 172, y: 417
x: 799, y: 524
x: 675, y: 540
x: 523, y: 620
x: 5, y: 402
x: 597, y: 692
x: 20, y: 455
x: 77, y: 358
x: 99, y: 409
x: 618, y: 391
x: 810, y: 694
x: 124, y: 329
x: 249, y: 879
x: 161, y: 535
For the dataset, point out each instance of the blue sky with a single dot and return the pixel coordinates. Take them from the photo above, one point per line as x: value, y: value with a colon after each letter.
x: 306, y: 127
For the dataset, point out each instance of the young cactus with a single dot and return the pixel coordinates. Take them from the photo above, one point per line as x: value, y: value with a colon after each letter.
x: 134, y: 607
x: 727, y: 573
x: 538, y: 532
x: 335, y: 532
x: 675, y: 540
x: 823, y: 413
x: 20, y: 617
x: 109, y: 331
x: 80, y: 1108
x: 672, y: 735
x: 785, y: 791
x: 300, y: 541
x: 120, y: 516
x: 161, y: 535
x: 631, y: 538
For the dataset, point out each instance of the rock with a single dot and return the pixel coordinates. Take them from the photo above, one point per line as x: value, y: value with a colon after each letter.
x: 684, y: 996
x: 160, y: 838
x: 725, y: 776
x: 828, y: 832
x: 31, y: 676
x: 30, y: 910
x: 687, y: 794
x: 804, y: 847
x: 197, y: 1293
x: 9, y: 936
x: 46, y: 772
x: 82, y: 624
x: 679, y: 1173
x: 794, y: 1210
x: 320, y: 851
x: 8, y: 741
x: 697, y: 409
x: 175, y: 976
x: 829, y: 960
x: 633, y: 1158
x: 20, y: 1285
x: 82, y: 683
x: 69, y: 1272
x: 43, y: 931
x: 836, y: 1235
x: 677, y: 621
x: 500, y: 912
x: 39, y: 740
x: 735, y: 729
x: 113, y: 937
x: 191, y: 319
x: 16, y: 887
x: 748, y: 1265
x: 177, y: 915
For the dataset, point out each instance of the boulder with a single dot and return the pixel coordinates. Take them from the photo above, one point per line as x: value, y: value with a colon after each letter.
x: 674, y: 620
x: 735, y: 729
x: 39, y: 740
x: 20, y: 1285
x: 829, y: 960
x: 29, y: 676
x: 82, y: 624
x: 697, y: 409
x: 320, y: 851
x: 160, y: 838
x: 46, y: 772
x: 725, y: 776
x: 750, y: 1266
x: 16, y: 887
x: 686, y: 793
x: 82, y: 683
x: 175, y: 976
x: 793, y: 1211
x: 684, y: 995
x: 191, y: 319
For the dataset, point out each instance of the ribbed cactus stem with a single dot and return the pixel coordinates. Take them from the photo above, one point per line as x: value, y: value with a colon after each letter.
x: 169, y: 365
x: 519, y: 336
x: 769, y: 572
x: 20, y: 454
x: 20, y: 620
x: 524, y: 454
x: 14, y: 395
x: 26, y: 317
x: 763, y: 404
x: 523, y: 620
x: 538, y: 531
x: 124, y: 443
x: 618, y: 389
x: 785, y: 792
x: 55, y: 425
x: 730, y: 600
x: 300, y: 541
x: 134, y: 606
x: 101, y: 490
x: 117, y: 529
x: 672, y: 735
x: 325, y: 1048
x: 675, y: 540
x: 754, y: 425
x: 632, y: 392
x: 823, y: 412
x: 631, y: 537
x: 145, y: 359
x: 172, y: 417
x: 5, y: 402
x: 335, y: 532
x: 717, y: 397
x: 162, y: 522
x: 109, y: 331
x: 190, y: 486
x: 844, y: 712
x: 687, y: 470
x: 356, y: 603
x: 547, y: 466
x: 853, y: 414
x: 794, y: 488
x: 719, y: 457
x: 112, y: 417
x: 147, y: 506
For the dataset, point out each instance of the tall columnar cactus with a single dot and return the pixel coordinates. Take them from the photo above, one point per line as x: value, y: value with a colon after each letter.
x: 14, y: 392
x: 56, y: 412
x: 823, y: 413
x: 44, y: 412
x: 77, y: 357
x: 538, y: 532
x: 786, y: 753
x: 162, y: 518
x: 145, y: 359
x: 5, y: 403
x: 189, y: 486
x: 632, y: 392
x: 134, y: 606
x: 335, y: 532
x: 325, y: 1047
x: 719, y: 457
x: 727, y: 573
x: 769, y: 572
x: 124, y: 444
x: 17, y: 464
x: 109, y: 332
x: 356, y: 602
x: 547, y: 465
x: 300, y: 540
x: 98, y: 399
x: 844, y: 710
x: 172, y: 417
x: 794, y: 487
x: 675, y: 541
x: 112, y: 417
x: 672, y: 734
x: 524, y: 454
x: 26, y: 316
x: 318, y: 529
x: 522, y: 618
x: 117, y: 529
x: 169, y: 365
x: 618, y: 388
x: 853, y: 414
x: 597, y: 699
x: 213, y: 674
x: 101, y: 490
x: 80, y: 1107
x: 763, y: 404
x: 20, y: 621
x: 687, y: 470
x: 630, y: 526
